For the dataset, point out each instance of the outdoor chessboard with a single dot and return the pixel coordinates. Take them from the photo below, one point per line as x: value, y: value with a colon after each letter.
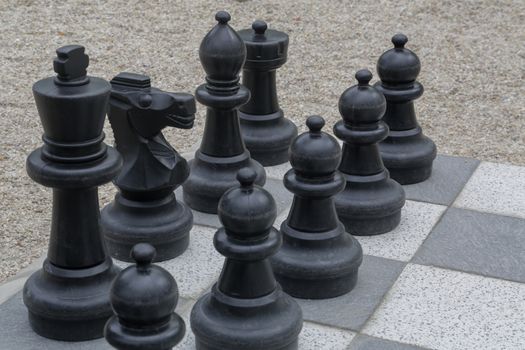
x: 451, y: 276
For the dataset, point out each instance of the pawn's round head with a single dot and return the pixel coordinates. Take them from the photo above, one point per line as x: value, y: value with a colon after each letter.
x: 222, y: 52
x: 144, y: 293
x: 362, y: 104
x: 315, y: 153
x: 247, y: 210
x: 398, y: 66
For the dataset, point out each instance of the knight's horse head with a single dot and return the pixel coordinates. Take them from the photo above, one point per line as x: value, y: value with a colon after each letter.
x: 150, y: 109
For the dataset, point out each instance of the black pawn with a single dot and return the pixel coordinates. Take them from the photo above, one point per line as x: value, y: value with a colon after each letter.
x: 145, y: 209
x: 371, y: 202
x: 144, y: 297
x: 318, y: 259
x: 265, y: 130
x: 222, y: 152
x: 68, y: 299
x: 406, y: 152
x: 246, y: 308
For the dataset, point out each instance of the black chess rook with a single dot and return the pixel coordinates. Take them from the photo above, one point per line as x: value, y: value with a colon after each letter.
x: 266, y: 132
x: 68, y: 299
x: 145, y: 208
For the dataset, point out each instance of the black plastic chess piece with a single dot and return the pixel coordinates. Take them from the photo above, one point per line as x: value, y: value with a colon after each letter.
x: 266, y: 132
x: 371, y: 202
x: 68, y: 299
x: 406, y: 152
x: 318, y: 258
x: 144, y: 297
x: 145, y: 209
x: 246, y: 308
x: 222, y: 151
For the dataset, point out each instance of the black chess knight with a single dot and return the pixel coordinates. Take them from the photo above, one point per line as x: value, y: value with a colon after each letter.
x: 265, y: 130
x: 246, y: 308
x: 371, y: 202
x: 318, y: 259
x: 68, y: 299
x: 144, y: 297
x: 406, y: 152
x: 145, y: 209
x: 222, y: 151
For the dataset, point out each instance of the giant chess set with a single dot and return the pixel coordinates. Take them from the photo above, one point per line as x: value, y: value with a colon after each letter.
x: 263, y: 238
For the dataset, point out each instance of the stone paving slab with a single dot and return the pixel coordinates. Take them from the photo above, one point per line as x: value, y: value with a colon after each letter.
x: 486, y: 244
x: 444, y: 309
x: 365, y: 342
x: 449, y: 277
x: 352, y: 310
x: 495, y: 188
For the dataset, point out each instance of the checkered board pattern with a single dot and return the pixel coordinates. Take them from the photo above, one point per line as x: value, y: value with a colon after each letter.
x: 451, y: 276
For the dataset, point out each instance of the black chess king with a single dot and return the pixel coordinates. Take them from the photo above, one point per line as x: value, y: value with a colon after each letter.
x: 145, y: 209
x: 222, y: 151
x: 68, y: 299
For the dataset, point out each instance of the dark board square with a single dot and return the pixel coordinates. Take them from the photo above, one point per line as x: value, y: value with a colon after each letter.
x: 486, y: 244
x: 15, y: 332
x: 449, y: 175
x: 352, y: 310
x: 365, y: 342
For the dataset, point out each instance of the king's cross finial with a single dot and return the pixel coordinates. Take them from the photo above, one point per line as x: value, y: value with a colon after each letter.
x: 71, y: 63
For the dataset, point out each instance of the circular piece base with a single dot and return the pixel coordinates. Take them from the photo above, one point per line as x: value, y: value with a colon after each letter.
x: 268, y: 140
x: 408, y: 176
x: 164, y: 224
x: 168, y: 335
x: 211, y: 176
x: 372, y: 226
x: 317, y: 265
x: 370, y: 205
x: 73, y: 305
x: 408, y: 155
x: 270, y: 322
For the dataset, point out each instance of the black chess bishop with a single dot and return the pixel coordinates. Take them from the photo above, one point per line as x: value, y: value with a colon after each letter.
x: 145, y: 208
x: 266, y: 132
x: 406, y: 152
x: 371, y: 202
x: 318, y: 258
x: 222, y: 152
x: 246, y: 308
x: 144, y: 297
x: 68, y: 299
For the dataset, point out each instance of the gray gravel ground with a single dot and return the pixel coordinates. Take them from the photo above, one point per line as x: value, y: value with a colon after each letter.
x: 472, y: 54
